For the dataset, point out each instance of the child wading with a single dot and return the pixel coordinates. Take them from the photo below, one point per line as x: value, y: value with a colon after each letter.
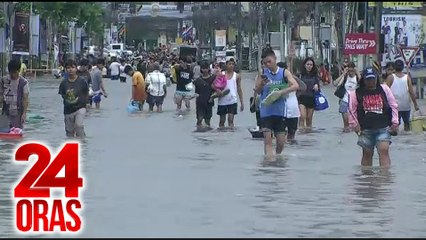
x: 74, y: 91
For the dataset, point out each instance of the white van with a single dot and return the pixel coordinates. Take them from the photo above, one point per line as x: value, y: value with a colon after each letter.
x: 231, y: 53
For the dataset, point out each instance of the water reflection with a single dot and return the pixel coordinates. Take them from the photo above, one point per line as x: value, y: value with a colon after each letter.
x: 372, y: 200
x: 372, y: 188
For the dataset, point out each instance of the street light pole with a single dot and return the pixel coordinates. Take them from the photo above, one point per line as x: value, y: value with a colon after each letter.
x: 260, y: 37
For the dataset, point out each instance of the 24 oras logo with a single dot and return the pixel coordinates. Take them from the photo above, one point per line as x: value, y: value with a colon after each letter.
x: 37, y: 209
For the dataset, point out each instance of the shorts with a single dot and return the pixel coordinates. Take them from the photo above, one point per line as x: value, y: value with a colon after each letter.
x: 405, y: 116
x: 307, y: 101
x: 204, y: 111
x: 116, y: 77
x: 276, y: 124
x: 291, y: 124
x: 343, y: 106
x: 370, y: 137
x: 74, y: 123
x: 155, y: 100
x: 122, y: 79
x: 227, y: 109
x: 182, y: 95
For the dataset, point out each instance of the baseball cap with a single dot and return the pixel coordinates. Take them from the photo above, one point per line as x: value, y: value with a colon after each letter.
x: 369, y: 73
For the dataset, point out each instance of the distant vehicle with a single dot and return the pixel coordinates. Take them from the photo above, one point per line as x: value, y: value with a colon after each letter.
x: 231, y: 53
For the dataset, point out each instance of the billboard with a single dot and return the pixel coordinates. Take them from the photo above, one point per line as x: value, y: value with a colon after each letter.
x: 220, y: 38
x: 400, y: 29
x: 21, y: 34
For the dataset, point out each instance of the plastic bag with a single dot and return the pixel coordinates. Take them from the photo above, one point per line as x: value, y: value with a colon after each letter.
x: 321, y: 102
x: 132, y: 107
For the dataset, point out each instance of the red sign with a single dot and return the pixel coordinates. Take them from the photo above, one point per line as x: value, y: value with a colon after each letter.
x: 360, y: 43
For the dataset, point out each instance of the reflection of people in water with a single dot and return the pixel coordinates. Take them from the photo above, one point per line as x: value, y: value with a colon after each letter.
x: 372, y: 189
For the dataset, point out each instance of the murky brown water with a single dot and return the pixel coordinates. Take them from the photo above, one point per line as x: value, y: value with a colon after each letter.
x: 150, y: 175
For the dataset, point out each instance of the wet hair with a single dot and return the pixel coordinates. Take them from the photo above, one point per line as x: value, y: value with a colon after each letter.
x: 70, y: 63
x: 128, y: 69
x: 84, y: 62
x: 399, y: 65
x: 267, y: 52
x: 100, y: 61
x: 14, y: 65
x: 351, y: 65
x: 282, y: 65
x: 204, y: 65
x: 313, y: 72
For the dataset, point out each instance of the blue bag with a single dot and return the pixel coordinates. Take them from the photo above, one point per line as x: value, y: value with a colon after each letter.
x: 321, y: 102
x: 133, y: 107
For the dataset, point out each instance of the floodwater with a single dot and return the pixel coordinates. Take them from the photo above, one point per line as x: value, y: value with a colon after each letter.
x: 150, y: 175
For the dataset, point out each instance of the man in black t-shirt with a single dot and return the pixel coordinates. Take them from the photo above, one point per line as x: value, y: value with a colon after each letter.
x: 184, y: 85
x: 75, y: 92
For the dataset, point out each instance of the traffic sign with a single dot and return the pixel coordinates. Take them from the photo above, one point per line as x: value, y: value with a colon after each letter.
x: 408, y: 53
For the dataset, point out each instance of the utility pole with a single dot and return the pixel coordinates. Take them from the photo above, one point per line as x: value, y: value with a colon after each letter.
x: 260, y: 37
x: 342, y: 46
x: 377, y: 27
x: 31, y: 38
x: 282, y: 32
x: 239, y: 36
x: 317, y: 29
x: 365, y: 30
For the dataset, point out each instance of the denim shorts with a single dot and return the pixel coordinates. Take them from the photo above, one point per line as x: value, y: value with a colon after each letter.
x: 343, y: 106
x: 370, y: 137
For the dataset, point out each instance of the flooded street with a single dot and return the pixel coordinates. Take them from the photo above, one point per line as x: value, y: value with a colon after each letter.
x: 150, y: 175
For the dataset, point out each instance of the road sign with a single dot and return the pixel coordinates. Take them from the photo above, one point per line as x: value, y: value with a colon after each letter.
x: 360, y: 43
x: 408, y: 53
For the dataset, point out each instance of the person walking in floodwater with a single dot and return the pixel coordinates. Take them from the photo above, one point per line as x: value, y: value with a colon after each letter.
x: 14, y: 95
x: 306, y: 99
x: 203, y: 87
x: 373, y: 114
x: 75, y: 92
x: 228, y: 104
x: 345, y: 83
x: 156, y: 87
x: 273, y: 114
x: 138, y: 87
x: 402, y: 88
